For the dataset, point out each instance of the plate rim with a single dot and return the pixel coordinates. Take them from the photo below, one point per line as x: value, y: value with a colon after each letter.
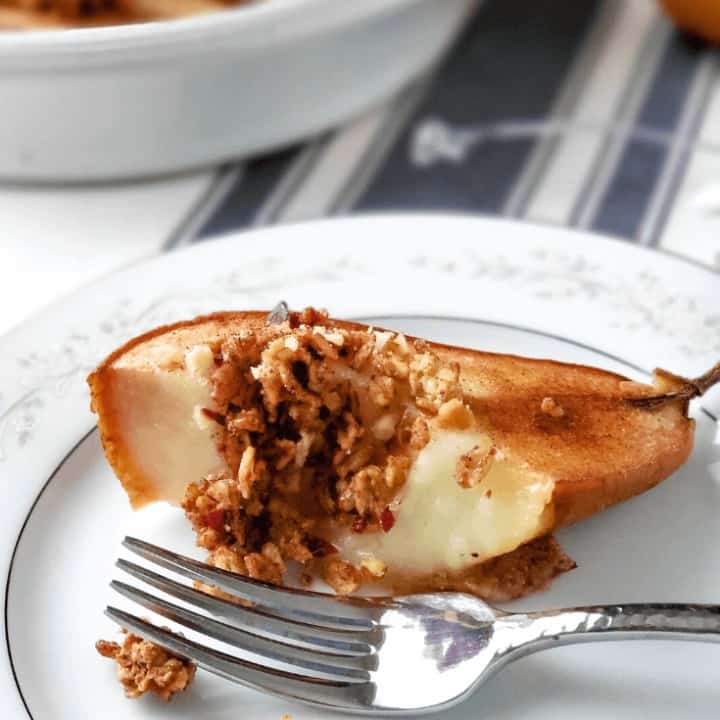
x: 231, y: 236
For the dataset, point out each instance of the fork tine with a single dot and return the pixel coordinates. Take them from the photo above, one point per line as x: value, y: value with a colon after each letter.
x: 300, y: 605
x: 308, y: 662
x: 330, y: 642
x: 329, y: 693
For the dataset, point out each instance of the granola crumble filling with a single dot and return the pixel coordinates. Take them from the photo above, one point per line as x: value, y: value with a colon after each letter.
x: 317, y: 426
x: 144, y: 667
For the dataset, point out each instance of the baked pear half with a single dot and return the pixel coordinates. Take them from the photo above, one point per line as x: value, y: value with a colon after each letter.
x: 369, y: 456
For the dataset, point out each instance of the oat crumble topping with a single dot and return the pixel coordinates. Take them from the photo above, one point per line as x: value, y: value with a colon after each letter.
x: 318, y: 427
x: 144, y: 667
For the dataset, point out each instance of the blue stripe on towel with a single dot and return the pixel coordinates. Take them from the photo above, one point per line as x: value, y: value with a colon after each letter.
x: 632, y: 185
x: 509, y: 64
x: 249, y: 193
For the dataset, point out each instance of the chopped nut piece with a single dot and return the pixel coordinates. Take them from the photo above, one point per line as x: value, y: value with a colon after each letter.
x: 144, y: 667
x: 382, y: 338
x: 246, y: 421
x: 396, y: 471
x: 224, y: 493
x: 362, y: 490
x: 384, y: 427
x: 336, y: 337
x: 227, y: 558
x: 266, y: 565
x: 474, y: 465
x: 302, y: 449
x: 420, y: 436
x: 341, y: 576
x: 402, y: 343
x: 348, y: 435
x: 169, y: 357
x: 455, y: 415
x: 382, y: 390
x: 398, y: 368
x: 376, y: 567
x: 432, y: 383
x: 200, y: 361
x: 291, y: 343
x: 246, y: 471
x: 550, y: 407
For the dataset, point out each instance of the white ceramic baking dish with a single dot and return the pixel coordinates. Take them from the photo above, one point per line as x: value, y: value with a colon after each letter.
x: 153, y: 98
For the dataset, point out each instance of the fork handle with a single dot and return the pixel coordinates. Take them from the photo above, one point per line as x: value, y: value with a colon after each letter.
x: 530, y: 632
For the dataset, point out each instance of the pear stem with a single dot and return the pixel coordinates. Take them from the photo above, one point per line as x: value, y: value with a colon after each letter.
x: 687, y: 388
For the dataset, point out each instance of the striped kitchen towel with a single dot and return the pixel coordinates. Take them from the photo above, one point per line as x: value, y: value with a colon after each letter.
x: 594, y: 114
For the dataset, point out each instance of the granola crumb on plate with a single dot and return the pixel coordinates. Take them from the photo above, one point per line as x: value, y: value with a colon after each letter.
x: 145, y: 667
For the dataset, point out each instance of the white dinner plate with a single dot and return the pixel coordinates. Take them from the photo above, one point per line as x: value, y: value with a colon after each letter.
x: 484, y: 283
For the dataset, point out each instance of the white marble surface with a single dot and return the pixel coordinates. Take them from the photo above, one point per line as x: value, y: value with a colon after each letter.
x: 54, y: 240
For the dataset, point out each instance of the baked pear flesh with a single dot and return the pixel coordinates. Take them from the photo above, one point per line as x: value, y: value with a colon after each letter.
x: 374, y: 457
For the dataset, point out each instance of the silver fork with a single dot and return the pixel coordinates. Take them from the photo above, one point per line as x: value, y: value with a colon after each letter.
x: 413, y: 654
